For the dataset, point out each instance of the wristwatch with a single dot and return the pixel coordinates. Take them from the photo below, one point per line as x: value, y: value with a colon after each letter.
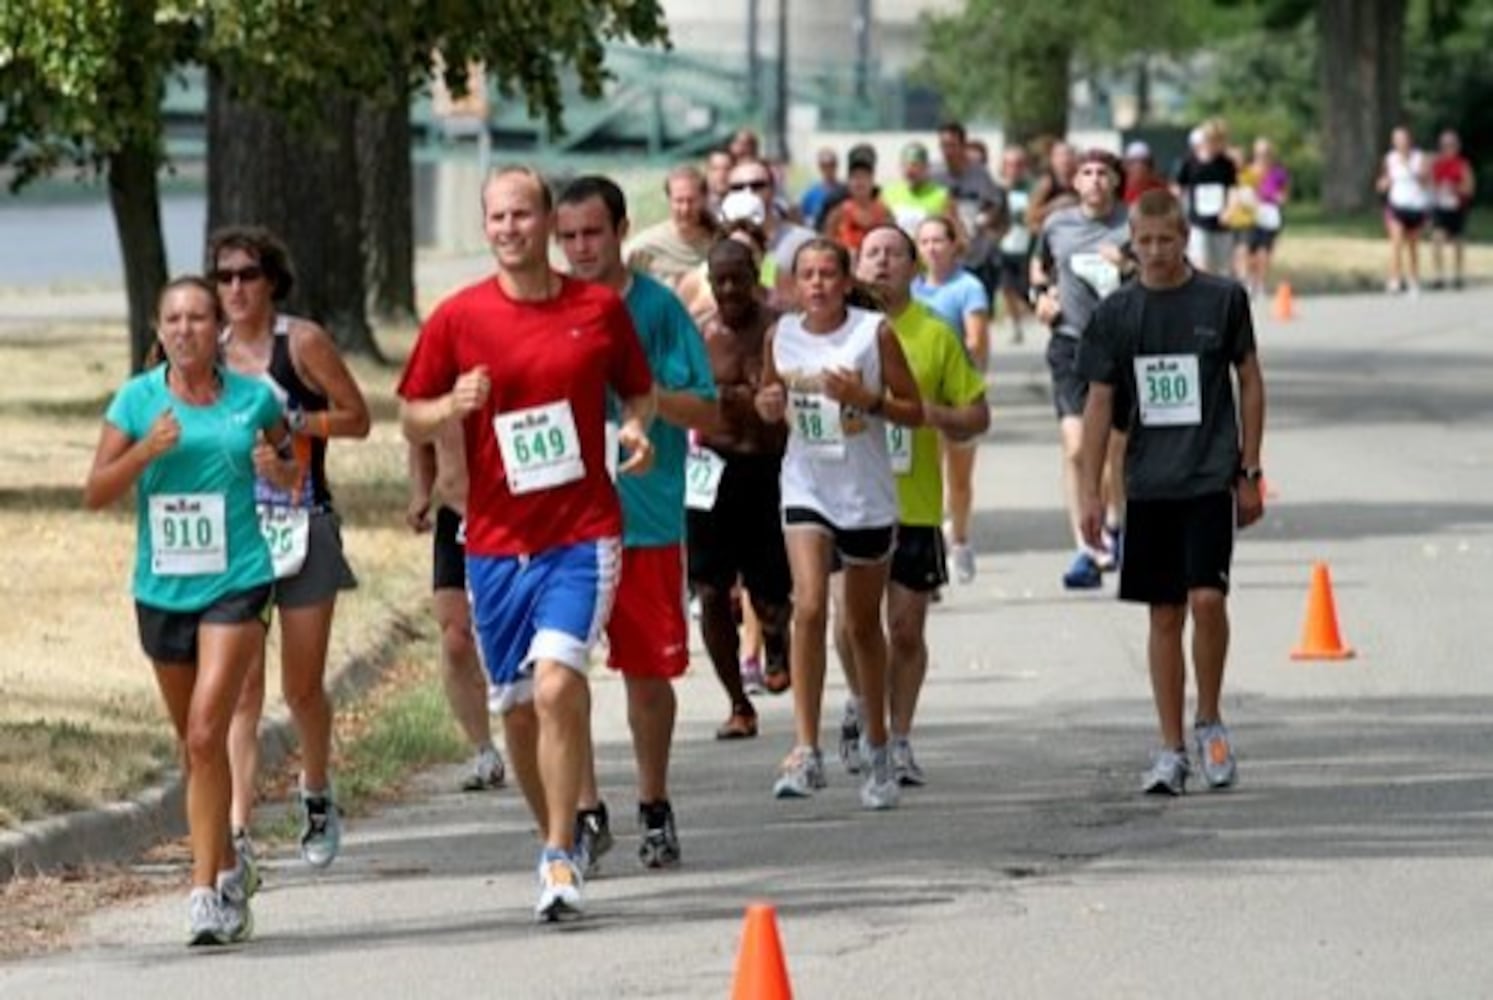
x: 1251, y: 473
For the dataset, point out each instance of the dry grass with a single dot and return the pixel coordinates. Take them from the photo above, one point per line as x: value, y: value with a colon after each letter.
x: 1321, y: 263
x: 80, y: 723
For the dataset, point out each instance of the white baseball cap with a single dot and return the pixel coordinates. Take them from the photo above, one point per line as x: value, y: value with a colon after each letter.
x: 1137, y: 150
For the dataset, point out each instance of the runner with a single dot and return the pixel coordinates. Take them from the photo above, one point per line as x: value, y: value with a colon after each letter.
x: 837, y: 374
x: 1140, y: 172
x: 1204, y: 180
x: 954, y: 408
x: 718, y: 164
x: 1054, y: 189
x: 1271, y: 184
x: 1016, y: 240
x: 302, y: 366
x: 438, y: 476
x: 755, y: 178
x: 861, y: 210
x: 1453, y: 185
x: 694, y: 288
x: 1402, y: 181
x: 524, y: 362
x: 735, y: 530
x: 1081, y: 247
x: 968, y: 182
x: 676, y: 246
x: 814, y: 206
x: 1175, y: 339
x: 917, y: 196
x: 647, y: 633
x: 191, y: 437
x: 958, y: 298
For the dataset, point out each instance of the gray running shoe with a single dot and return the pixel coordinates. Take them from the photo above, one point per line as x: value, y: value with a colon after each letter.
x: 660, y: 846
x: 963, y: 557
x: 1215, y: 754
x: 801, y: 775
x: 321, y: 829
x: 247, y: 863
x: 905, y: 765
x: 593, y: 838
x: 487, y: 771
x: 206, y: 923
x: 1168, y: 773
x: 880, y: 789
x: 238, y: 918
x: 850, y: 739
x: 559, y: 890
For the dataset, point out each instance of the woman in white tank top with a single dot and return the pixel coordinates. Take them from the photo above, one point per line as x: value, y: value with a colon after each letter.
x: 1403, y: 182
x: 838, y: 375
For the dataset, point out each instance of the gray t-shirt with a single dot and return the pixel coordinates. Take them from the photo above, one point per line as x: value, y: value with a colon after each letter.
x: 1070, y: 242
x: 969, y: 189
x: 1170, y: 353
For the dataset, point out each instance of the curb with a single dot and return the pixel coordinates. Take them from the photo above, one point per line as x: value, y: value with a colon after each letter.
x: 119, y: 831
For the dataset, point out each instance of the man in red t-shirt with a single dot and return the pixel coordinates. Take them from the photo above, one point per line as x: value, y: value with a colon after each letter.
x: 524, y: 361
x: 1452, y: 187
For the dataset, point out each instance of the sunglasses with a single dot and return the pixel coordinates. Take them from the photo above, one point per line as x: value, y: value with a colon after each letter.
x: 758, y: 185
x: 246, y: 275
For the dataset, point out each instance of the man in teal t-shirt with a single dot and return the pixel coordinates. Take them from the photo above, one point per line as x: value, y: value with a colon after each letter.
x: 647, y: 633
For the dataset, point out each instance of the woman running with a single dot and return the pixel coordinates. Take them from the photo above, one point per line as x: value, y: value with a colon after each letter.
x: 192, y: 438
x: 321, y: 400
x: 1403, y: 182
x: 962, y: 301
x: 838, y: 375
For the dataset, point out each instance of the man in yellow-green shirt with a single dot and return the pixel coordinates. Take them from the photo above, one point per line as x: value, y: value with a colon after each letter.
x: 953, y: 405
x: 917, y: 196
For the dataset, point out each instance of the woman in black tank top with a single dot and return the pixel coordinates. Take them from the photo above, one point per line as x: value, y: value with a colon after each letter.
x: 322, y: 400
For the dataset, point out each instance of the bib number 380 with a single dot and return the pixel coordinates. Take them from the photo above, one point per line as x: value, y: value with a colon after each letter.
x: 1170, y: 395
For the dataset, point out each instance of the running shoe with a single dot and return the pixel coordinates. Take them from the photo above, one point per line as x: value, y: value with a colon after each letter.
x: 905, y: 765
x: 206, y: 923
x: 751, y: 675
x: 776, y: 681
x: 1215, y: 754
x: 247, y: 863
x: 559, y: 888
x: 487, y: 771
x: 233, y: 901
x: 1168, y: 773
x: 593, y: 838
x: 801, y: 774
x: 850, y: 739
x: 880, y: 789
x: 321, y: 829
x: 963, y: 557
x: 660, y: 846
x: 1083, y: 573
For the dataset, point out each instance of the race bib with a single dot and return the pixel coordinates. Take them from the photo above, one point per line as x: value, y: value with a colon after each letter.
x: 1207, y: 200
x: 1169, y: 391
x: 540, y: 446
x: 1017, y: 241
x: 909, y: 218
x: 1098, y: 273
x: 899, y: 448
x: 188, y: 534
x: 816, y: 423
x: 287, y: 533
x: 1267, y: 216
x: 703, y: 470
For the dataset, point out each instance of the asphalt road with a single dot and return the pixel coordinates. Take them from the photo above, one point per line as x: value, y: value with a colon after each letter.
x: 1352, y: 860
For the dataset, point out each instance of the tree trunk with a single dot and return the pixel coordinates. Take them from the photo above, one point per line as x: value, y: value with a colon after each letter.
x: 388, y: 199
x: 134, y: 197
x: 1035, y: 102
x: 1362, y: 59
x: 302, y: 185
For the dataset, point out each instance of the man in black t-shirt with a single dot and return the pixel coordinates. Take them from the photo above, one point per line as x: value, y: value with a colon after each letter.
x: 1169, y: 344
x: 1204, y: 181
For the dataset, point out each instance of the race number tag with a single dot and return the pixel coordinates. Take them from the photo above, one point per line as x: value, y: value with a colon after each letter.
x: 287, y: 532
x: 703, y: 470
x: 188, y: 534
x: 540, y: 446
x: 1208, y: 199
x: 816, y: 422
x: 1267, y: 216
x: 613, y: 438
x: 899, y: 448
x: 1100, y: 275
x: 1170, y: 395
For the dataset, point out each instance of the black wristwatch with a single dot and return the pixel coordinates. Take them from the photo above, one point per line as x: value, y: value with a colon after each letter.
x: 1251, y: 473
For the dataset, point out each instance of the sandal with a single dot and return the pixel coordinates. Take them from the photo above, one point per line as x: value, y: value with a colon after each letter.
x: 777, y: 681
x: 738, y: 727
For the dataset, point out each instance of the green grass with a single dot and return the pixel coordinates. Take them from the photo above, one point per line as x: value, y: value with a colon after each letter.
x: 53, y: 766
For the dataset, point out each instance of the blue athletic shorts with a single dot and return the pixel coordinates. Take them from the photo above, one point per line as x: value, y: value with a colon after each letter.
x: 549, y: 606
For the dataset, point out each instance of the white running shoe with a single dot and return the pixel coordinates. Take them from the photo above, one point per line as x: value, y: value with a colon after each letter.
x: 487, y: 771
x: 559, y: 890
x: 905, y: 766
x: 321, y: 828
x: 1168, y: 773
x: 850, y: 739
x: 1215, y: 754
x: 206, y: 922
x: 802, y: 774
x: 233, y: 899
x: 880, y: 789
x: 963, y: 557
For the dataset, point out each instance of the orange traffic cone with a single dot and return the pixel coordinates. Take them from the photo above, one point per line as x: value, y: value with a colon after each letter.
x: 1285, y: 306
x: 761, y: 972
x: 1320, y: 639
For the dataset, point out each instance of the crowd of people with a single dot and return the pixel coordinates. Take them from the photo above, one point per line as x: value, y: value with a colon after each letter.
x: 773, y: 405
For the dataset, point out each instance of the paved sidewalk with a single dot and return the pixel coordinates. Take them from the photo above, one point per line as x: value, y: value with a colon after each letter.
x: 1352, y: 860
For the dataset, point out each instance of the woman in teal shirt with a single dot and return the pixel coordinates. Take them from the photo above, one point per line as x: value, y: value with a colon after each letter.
x: 191, y: 436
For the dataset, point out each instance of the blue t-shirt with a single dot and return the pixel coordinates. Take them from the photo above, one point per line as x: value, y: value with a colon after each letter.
x: 955, y: 299
x: 212, y: 459
x: 653, y: 504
